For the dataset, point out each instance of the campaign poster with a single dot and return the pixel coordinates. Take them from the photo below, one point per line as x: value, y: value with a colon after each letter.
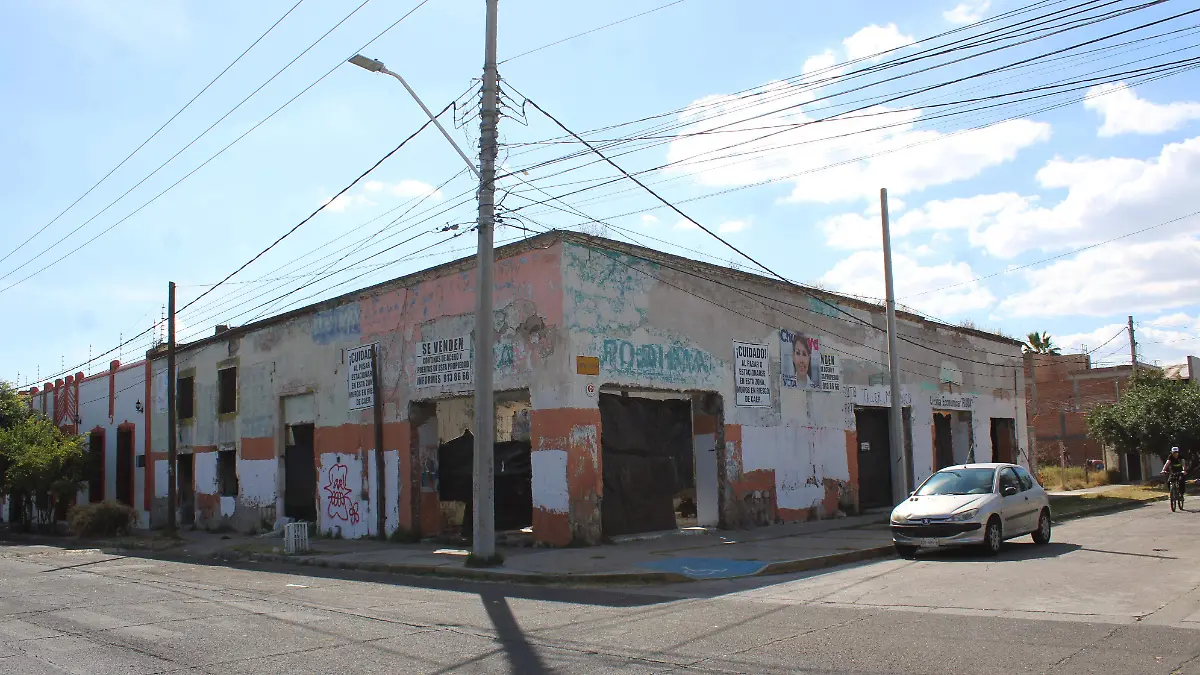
x: 803, y: 364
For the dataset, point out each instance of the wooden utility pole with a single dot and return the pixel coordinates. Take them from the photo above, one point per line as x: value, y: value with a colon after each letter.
x: 1132, y: 347
x: 172, y: 435
x: 377, y: 396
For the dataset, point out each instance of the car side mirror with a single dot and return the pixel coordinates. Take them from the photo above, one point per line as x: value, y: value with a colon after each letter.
x: 1009, y: 491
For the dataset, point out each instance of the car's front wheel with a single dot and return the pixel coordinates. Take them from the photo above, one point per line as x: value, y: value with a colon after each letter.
x: 905, y: 551
x: 1042, y: 534
x: 993, y: 537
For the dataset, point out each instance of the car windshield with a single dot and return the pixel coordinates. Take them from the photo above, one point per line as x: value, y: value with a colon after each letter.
x: 958, y: 482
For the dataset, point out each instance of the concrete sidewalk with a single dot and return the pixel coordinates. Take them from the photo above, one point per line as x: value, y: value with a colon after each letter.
x: 667, y: 557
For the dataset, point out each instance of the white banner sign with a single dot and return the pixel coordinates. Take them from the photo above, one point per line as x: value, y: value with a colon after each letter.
x: 445, y: 361
x: 952, y: 401
x: 804, y: 365
x: 362, y: 387
x: 751, y: 365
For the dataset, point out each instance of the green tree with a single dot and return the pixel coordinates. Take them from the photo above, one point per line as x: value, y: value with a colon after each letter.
x: 1040, y: 343
x: 39, y: 464
x: 1153, y: 415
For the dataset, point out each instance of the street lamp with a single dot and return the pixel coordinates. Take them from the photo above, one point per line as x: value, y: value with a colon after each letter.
x: 376, y: 66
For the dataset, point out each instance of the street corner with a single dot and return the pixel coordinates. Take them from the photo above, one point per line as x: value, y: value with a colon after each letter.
x: 708, y: 568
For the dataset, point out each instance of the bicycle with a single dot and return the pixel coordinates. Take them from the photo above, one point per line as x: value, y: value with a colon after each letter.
x: 1177, y: 491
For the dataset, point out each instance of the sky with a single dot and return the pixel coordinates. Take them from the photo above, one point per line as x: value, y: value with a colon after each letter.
x: 1006, y: 222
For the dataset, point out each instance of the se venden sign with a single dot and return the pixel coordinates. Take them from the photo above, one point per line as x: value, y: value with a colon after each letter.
x: 752, y: 365
x: 444, y: 362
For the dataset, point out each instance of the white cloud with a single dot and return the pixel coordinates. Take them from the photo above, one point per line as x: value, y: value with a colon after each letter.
x: 875, y: 39
x: 861, y: 273
x: 838, y: 160
x: 1114, y: 278
x: 1104, y: 198
x: 1167, y: 339
x: 732, y: 226
x: 821, y: 63
x: 834, y: 160
x: 415, y: 188
x: 854, y: 231
x: 967, y: 12
x: 346, y: 202
x: 1124, y: 113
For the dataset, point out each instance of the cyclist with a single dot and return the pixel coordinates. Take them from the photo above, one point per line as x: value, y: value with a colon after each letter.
x: 1174, y: 465
x: 1174, y: 470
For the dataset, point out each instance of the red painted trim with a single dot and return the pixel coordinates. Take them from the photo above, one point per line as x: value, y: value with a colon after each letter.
x: 112, y: 389
x: 148, y: 491
x: 122, y: 368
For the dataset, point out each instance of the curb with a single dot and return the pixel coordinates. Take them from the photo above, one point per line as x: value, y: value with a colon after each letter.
x: 1106, y: 508
x: 470, y: 574
x: 809, y: 564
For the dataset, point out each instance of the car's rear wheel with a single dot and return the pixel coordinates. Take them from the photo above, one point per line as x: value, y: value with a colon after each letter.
x: 905, y: 551
x: 993, y: 537
x: 1042, y: 534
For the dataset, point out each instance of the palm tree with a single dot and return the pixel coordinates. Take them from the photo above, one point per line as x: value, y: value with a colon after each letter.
x: 1040, y: 344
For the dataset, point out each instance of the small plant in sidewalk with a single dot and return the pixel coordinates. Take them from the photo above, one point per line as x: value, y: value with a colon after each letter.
x: 105, y: 519
x: 495, y: 560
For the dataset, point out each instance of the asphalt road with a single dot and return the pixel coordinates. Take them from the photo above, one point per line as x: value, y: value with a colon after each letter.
x: 1115, y: 594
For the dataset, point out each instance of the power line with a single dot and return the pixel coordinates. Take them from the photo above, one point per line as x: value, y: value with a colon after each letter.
x: 211, y: 158
x: 314, y: 213
x: 190, y: 143
x: 589, y: 32
x: 153, y: 135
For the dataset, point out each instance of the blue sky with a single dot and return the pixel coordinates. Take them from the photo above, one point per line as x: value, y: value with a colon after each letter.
x: 89, y: 80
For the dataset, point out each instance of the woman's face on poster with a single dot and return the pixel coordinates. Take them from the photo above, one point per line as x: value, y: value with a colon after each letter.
x: 801, y: 358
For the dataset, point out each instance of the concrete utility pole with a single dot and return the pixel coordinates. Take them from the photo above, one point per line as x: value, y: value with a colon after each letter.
x: 484, y: 517
x: 1132, y: 347
x: 171, y: 418
x: 896, y: 416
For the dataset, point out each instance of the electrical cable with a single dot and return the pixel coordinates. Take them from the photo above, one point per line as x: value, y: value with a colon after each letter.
x: 203, y: 164
x: 153, y: 135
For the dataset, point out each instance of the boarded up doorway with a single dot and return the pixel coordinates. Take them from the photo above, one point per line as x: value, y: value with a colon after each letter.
x: 125, y: 465
x: 647, y: 458
x: 300, y: 474
x: 874, y: 458
x: 1004, y: 439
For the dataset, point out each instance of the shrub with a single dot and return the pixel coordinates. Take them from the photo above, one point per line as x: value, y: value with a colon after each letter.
x: 105, y: 519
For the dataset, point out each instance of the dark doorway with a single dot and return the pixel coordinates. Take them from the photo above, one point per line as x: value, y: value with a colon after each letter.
x: 646, y: 447
x: 300, y: 474
x: 943, y: 442
x: 1133, y: 466
x: 874, y: 458
x: 96, y: 466
x: 186, y: 485
x: 1004, y: 439
x: 125, y: 466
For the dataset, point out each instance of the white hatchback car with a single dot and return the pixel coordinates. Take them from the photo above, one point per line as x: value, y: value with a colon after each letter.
x: 972, y: 504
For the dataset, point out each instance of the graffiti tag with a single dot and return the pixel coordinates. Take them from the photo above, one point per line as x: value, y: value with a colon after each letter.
x: 339, y: 504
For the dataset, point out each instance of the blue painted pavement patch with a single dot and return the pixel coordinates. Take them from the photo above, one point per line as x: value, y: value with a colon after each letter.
x: 708, y: 568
